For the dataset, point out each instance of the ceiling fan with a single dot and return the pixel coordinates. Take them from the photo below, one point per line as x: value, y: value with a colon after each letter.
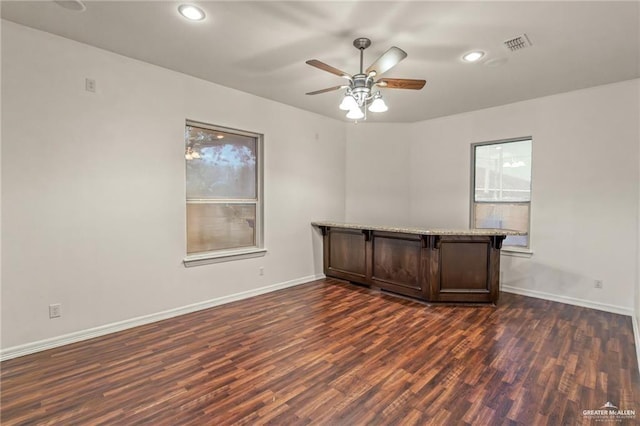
x: 360, y: 86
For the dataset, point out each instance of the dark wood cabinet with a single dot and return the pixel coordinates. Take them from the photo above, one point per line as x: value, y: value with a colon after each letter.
x: 465, y: 269
x: 396, y: 263
x: 436, y: 267
x: 345, y: 254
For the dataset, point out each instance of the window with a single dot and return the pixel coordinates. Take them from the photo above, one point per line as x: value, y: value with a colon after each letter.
x: 224, y: 192
x: 501, y: 188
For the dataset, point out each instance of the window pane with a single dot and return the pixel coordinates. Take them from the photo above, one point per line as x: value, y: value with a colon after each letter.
x: 504, y: 216
x: 503, y: 171
x: 220, y: 226
x: 220, y: 165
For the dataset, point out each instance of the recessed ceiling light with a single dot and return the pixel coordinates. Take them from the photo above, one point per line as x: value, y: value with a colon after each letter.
x: 191, y: 12
x: 473, y: 56
x: 75, y: 5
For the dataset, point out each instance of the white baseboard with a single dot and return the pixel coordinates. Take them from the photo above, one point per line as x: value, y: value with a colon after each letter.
x: 568, y: 300
x: 586, y: 304
x: 54, y: 342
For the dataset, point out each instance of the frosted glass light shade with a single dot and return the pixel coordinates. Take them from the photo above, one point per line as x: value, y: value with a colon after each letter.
x: 355, y: 114
x: 378, y: 105
x: 348, y: 103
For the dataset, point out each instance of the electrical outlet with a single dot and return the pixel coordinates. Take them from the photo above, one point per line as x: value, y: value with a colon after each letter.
x: 90, y: 85
x: 54, y: 310
x: 261, y: 270
x: 597, y: 283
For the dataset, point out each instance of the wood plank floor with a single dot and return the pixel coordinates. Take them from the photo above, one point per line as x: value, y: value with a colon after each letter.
x: 331, y: 353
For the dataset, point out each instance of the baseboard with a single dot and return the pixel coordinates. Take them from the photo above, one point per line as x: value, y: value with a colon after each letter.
x: 568, y: 300
x: 636, y: 337
x: 54, y: 342
x: 78, y: 336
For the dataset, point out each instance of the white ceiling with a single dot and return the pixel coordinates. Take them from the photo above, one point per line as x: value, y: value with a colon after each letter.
x: 261, y: 47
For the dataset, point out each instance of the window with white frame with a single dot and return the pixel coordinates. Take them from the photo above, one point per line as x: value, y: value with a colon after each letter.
x: 501, y: 188
x: 224, y: 190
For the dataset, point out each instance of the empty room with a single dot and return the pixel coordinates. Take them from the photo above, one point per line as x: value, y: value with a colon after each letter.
x: 320, y: 212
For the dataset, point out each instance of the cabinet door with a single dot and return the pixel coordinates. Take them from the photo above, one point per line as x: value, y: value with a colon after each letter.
x: 465, y: 269
x: 397, y: 263
x: 345, y: 254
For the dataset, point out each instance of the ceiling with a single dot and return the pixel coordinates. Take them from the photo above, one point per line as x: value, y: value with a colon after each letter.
x: 261, y: 47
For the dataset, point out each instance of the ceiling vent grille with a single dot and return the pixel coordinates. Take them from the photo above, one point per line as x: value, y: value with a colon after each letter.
x: 517, y: 43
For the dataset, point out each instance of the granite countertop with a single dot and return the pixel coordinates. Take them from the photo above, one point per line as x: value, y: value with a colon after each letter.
x: 420, y: 231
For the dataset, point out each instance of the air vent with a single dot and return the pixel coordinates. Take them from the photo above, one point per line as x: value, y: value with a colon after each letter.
x: 517, y: 43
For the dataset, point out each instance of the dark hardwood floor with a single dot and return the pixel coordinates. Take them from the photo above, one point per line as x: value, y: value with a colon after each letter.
x: 332, y: 353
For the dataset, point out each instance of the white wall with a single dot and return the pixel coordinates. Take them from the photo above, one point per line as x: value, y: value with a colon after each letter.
x: 585, y: 187
x: 637, y: 289
x: 377, y: 182
x: 93, y: 187
x: 0, y: 178
x: 637, y: 298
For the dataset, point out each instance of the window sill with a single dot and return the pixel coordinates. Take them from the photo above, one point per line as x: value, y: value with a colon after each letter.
x: 222, y: 256
x: 516, y: 252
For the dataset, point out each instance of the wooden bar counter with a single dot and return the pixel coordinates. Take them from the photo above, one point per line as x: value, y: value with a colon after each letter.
x: 435, y: 265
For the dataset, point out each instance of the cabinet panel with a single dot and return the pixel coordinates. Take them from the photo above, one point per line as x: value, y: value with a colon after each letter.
x: 464, y: 266
x: 347, y: 252
x: 464, y: 269
x: 396, y: 261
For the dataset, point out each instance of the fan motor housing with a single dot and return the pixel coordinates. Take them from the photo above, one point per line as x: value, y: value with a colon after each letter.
x: 360, y: 80
x: 361, y: 43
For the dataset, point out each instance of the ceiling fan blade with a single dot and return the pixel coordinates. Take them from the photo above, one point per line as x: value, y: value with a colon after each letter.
x: 401, y: 83
x: 388, y: 60
x: 330, y: 89
x: 328, y: 68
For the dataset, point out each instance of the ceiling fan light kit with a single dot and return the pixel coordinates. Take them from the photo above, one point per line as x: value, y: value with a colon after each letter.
x: 348, y: 103
x: 359, y: 94
x: 355, y: 114
x: 378, y: 104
